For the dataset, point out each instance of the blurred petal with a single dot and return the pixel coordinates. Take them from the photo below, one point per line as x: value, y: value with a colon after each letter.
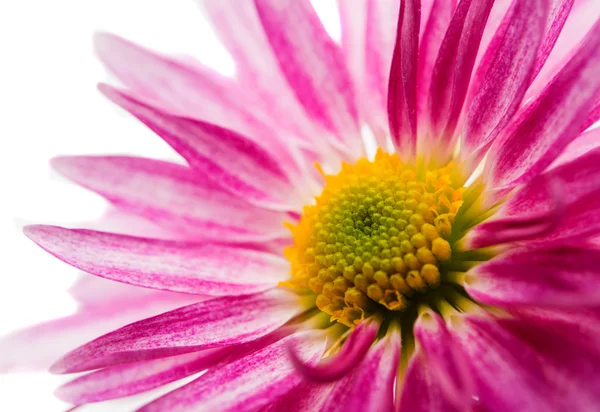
x: 173, y: 196
x: 208, y: 269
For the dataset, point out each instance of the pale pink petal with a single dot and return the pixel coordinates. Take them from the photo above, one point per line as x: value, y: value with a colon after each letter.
x: 172, y: 196
x: 583, y: 14
x: 583, y: 144
x: 370, y: 387
x: 553, y: 277
x: 509, y: 66
x: 433, y: 31
x: 313, y: 66
x: 239, y: 28
x: 379, y: 39
x: 256, y: 174
x: 593, y: 116
x: 402, y: 86
x: 208, y: 269
x: 442, y: 356
x: 547, y: 125
x: 213, y: 323
x: 125, y: 380
x: 37, y: 347
x: 455, y: 61
x: 190, y: 90
x: 247, y: 384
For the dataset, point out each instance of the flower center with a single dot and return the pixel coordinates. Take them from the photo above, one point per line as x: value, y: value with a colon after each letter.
x: 376, y: 238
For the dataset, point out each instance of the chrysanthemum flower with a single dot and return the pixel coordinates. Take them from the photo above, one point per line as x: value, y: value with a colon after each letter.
x: 454, y: 269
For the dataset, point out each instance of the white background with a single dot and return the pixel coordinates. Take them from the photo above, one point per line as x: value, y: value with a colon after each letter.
x: 49, y: 106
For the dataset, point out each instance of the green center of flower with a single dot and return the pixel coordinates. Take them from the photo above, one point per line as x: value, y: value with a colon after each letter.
x: 376, y: 239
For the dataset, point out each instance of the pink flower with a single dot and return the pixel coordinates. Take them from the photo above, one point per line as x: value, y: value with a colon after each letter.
x: 397, y: 285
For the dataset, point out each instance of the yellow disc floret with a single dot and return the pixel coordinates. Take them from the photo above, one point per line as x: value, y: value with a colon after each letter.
x: 375, y: 237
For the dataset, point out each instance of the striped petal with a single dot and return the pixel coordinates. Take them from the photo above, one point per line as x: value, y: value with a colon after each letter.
x: 207, y: 269
x: 553, y: 277
x: 370, y: 387
x: 313, y: 66
x: 550, y: 123
x: 509, y: 67
x: 255, y: 174
x: 247, y: 384
x: 172, y: 196
x: 402, y: 86
x: 213, y: 323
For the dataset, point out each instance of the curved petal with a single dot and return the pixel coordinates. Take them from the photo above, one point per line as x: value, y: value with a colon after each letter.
x: 370, y: 387
x: 209, y: 324
x: 37, y: 347
x: 249, y: 383
x: 402, y: 87
x: 508, y: 72
x: 173, y: 196
x: 256, y: 174
x: 551, y: 122
x: 582, y: 145
x: 208, y: 269
x: 553, y: 277
x: 125, y: 380
x: 455, y: 61
x: 313, y: 66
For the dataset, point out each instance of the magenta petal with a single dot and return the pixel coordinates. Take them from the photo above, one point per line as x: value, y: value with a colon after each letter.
x: 205, y: 325
x: 307, y: 396
x: 354, y: 350
x: 442, y: 356
x: 547, y: 125
x: 370, y: 387
x: 256, y: 174
x: 509, y: 66
x: 172, y: 196
x: 553, y: 277
x: 246, y: 384
x: 207, y: 269
x: 313, y: 66
x: 402, y: 87
x: 125, y: 380
x: 583, y: 144
x: 452, y: 70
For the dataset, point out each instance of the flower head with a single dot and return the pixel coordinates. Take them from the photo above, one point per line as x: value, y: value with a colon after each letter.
x: 454, y: 269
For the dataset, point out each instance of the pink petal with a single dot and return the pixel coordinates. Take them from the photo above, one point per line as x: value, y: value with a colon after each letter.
x: 434, y: 30
x: 420, y: 392
x: 37, y: 347
x: 209, y: 269
x: 583, y: 144
x: 189, y: 89
x: 509, y: 66
x: 313, y: 66
x: 370, y: 387
x: 307, y: 396
x: 173, y: 196
x: 402, y: 87
x: 249, y: 383
x: 442, y: 356
x: 256, y: 174
x: 572, y: 218
x: 551, y: 122
x: 582, y: 16
x: 553, y: 277
x: 455, y: 61
x: 379, y: 39
x: 125, y: 380
x: 205, y: 325
x: 508, y: 376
